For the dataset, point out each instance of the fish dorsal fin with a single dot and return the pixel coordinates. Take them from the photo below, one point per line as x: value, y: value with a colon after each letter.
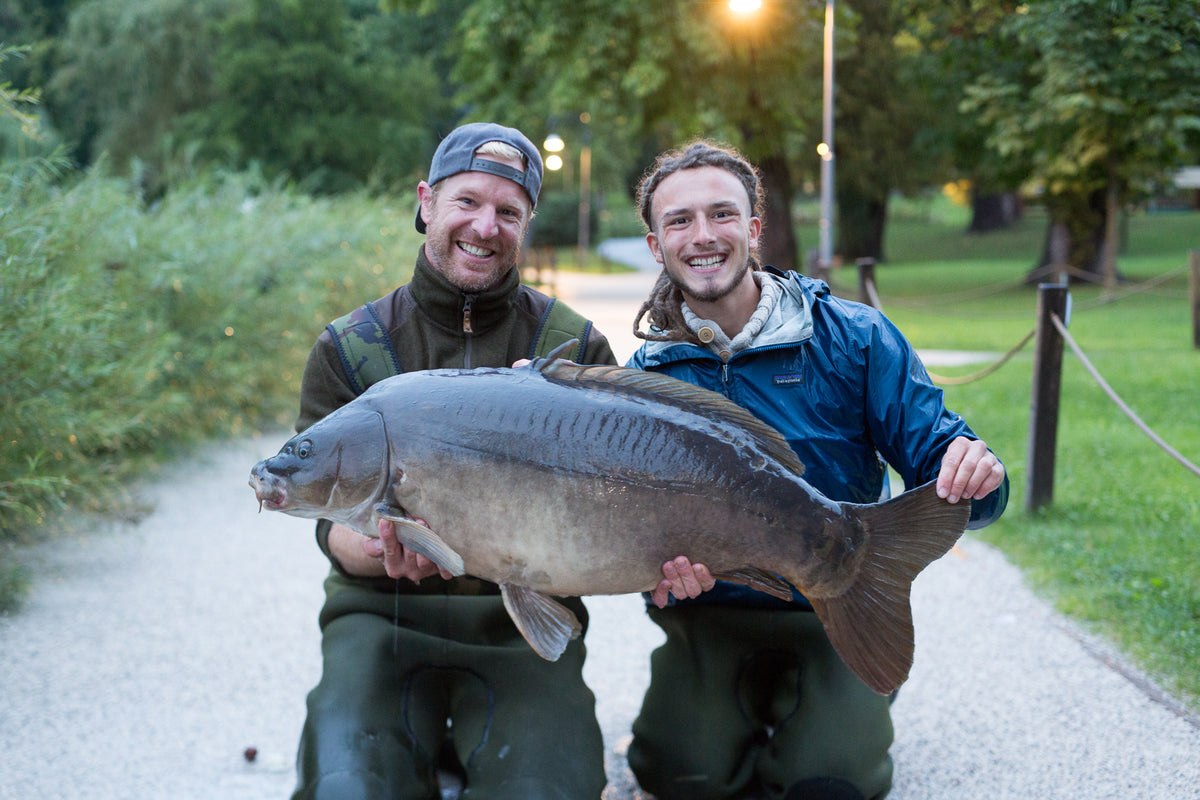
x: 679, y: 393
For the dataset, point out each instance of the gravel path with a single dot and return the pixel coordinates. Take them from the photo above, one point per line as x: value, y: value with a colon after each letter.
x: 151, y: 655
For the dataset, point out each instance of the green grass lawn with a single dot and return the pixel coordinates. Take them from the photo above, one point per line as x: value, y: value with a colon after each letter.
x: 1119, y: 546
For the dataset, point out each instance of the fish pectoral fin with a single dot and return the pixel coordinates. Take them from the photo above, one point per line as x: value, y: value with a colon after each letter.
x: 758, y: 579
x: 545, y: 623
x: 419, y: 539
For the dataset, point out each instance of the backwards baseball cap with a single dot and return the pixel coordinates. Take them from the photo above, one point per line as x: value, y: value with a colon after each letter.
x: 456, y: 154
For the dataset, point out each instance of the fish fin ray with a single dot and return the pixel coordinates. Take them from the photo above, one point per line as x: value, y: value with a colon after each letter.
x: 758, y: 579
x: 682, y: 394
x: 870, y: 624
x: 416, y: 537
x: 542, y: 364
x: 545, y: 623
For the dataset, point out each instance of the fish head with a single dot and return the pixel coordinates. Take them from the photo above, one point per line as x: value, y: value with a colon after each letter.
x: 336, y: 469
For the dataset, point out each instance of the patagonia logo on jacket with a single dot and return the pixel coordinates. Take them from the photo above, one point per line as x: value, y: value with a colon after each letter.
x: 788, y: 378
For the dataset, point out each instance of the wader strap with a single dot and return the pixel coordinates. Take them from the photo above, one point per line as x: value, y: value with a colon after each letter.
x: 364, y: 347
x: 560, y: 323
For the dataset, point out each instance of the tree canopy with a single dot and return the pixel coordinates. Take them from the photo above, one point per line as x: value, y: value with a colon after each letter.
x: 1092, y: 102
x: 1101, y: 99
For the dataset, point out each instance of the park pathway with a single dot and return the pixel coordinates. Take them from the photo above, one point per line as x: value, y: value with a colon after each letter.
x: 152, y: 653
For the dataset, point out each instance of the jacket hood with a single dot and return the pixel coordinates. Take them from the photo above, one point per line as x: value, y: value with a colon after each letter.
x: 790, y: 322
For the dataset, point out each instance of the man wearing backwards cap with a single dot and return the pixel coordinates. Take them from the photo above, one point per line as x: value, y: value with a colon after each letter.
x: 424, y: 674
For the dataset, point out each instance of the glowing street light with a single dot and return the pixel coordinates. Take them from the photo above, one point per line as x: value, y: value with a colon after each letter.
x: 554, y: 162
x: 554, y: 144
x: 744, y: 6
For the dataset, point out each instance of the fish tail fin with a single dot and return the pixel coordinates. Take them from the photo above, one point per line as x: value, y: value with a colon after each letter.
x: 870, y: 624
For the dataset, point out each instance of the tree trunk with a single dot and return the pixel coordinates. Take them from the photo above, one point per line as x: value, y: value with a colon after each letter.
x: 778, y: 245
x: 1081, y: 226
x: 1112, y: 233
x: 994, y: 211
x: 860, y: 224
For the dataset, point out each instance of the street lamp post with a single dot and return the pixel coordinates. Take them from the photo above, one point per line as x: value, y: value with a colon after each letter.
x: 554, y: 144
x: 585, y: 191
x: 825, y: 231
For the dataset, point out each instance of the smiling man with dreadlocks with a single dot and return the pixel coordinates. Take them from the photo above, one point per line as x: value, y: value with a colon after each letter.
x: 747, y: 694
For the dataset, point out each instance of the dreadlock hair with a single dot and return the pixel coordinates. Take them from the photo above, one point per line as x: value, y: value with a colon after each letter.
x: 664, y: 305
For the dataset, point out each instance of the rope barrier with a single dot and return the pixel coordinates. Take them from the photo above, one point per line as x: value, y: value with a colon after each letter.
x: 938, y: 304
x: 983, y: 373
x: 1062, y: 330
x: 1128, y: 291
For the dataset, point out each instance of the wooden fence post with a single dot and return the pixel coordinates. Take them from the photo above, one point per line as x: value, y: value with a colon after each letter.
x: 1194, y: 261
x: 866, y: 281
x: 1053, y: 298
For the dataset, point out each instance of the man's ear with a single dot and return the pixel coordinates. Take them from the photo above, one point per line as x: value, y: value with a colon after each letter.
x: 425, y: 196
x: 655, y: 250
x: 755, y: 230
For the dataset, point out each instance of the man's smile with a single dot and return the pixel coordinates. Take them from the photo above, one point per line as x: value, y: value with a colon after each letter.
x: 475, y: 250
x: 707, y: 263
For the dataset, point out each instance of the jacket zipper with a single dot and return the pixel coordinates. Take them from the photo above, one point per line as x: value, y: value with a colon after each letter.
x: 467, y: 330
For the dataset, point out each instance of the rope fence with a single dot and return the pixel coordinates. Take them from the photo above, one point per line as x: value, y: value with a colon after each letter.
x: 1121, y: 404
x: 988, y: 370
x: 940, y: 304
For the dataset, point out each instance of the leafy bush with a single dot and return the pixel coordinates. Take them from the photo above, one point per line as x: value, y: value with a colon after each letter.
x: 129, y: 331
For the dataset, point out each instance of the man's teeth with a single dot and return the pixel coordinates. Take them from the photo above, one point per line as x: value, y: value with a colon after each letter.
x: 707, y: 261
x: 473, y: 250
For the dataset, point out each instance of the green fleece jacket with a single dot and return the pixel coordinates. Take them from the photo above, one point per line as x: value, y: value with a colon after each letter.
x: 433, y: 324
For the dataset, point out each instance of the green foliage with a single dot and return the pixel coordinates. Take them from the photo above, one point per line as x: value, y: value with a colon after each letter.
x: 557, y: 221
x: 15, y: 104
x: 127, y: 70
x: 651, y: 75
x: 959, y: 44
x: 132, y: 331
x: 332, y: 95
x: 1103, y: 90
x: 14, y: 583
x: 309, y: 92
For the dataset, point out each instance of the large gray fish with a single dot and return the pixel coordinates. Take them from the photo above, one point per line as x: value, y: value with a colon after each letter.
x: 560, y: 479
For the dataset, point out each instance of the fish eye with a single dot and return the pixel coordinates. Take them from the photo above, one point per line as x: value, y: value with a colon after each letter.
x: 304, y: 449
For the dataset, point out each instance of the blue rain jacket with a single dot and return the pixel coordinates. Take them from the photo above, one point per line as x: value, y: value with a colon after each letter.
x: 844, y: 387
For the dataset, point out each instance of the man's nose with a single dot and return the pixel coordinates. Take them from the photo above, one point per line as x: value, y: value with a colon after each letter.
x: 702, y: 231
x: 486, y: 224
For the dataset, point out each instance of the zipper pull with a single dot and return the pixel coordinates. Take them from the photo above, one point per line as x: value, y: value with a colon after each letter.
x: 467, y: 315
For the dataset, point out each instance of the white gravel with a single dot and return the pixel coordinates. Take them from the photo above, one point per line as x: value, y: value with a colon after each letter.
x: 150, y: 655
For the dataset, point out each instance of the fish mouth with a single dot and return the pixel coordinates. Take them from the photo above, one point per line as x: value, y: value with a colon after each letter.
x: 269, y: 493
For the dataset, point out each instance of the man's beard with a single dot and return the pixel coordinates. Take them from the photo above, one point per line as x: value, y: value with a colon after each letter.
x: 710, y: 293
x: 441, y: 251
